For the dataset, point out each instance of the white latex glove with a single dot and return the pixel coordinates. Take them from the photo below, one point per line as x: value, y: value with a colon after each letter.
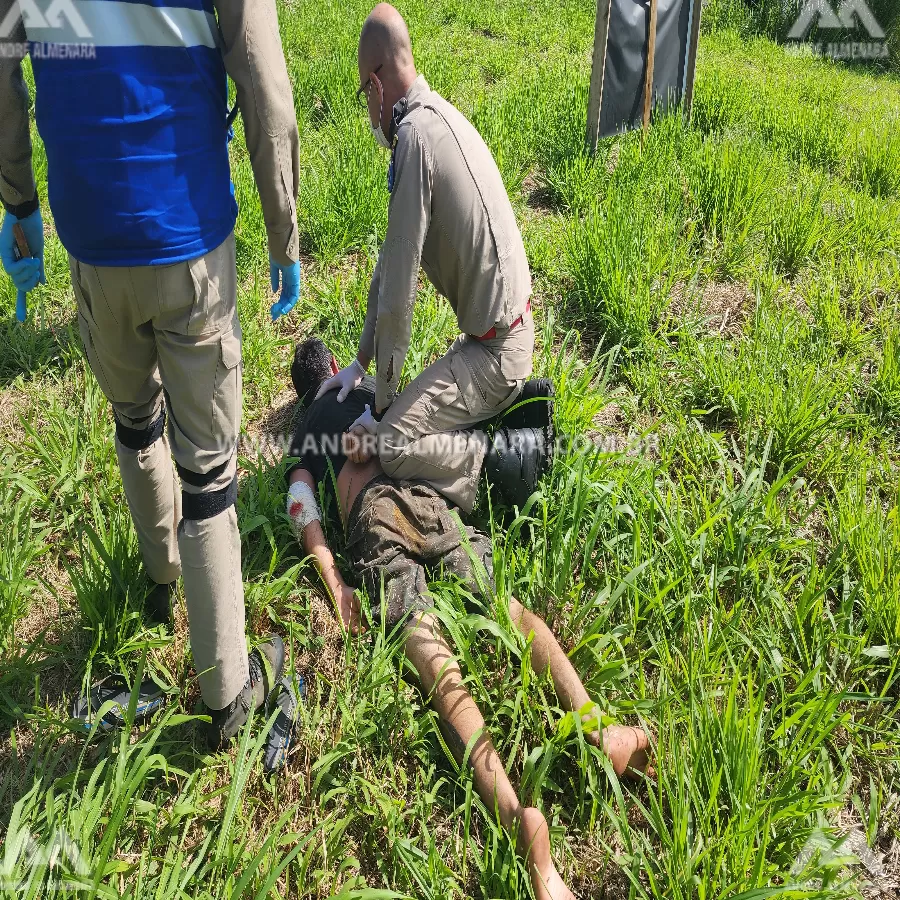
x: 347, y: 379
x: 361, y: 442
x: 365, y: 423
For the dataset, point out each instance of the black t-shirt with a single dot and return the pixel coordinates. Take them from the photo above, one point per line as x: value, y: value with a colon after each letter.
x: 317, y: 440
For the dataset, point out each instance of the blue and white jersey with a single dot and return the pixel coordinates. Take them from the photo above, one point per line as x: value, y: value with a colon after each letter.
x: 135, y: 130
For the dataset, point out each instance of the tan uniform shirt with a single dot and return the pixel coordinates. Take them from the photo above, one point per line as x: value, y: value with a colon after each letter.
x: 254, y: 59
x: 449, y: 213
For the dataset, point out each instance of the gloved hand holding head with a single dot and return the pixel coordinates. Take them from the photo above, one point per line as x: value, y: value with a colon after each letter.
x: 386, y: 68
x: 26, y: 272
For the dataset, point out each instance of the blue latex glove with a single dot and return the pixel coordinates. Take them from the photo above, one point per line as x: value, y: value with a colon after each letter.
x: 289, y: 279
x: 27, y: 273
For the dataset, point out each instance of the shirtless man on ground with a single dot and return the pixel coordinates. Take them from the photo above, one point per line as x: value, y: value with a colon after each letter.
x: 396, y: 532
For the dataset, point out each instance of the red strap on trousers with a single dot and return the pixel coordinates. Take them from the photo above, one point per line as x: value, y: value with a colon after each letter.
x: 490, y: 335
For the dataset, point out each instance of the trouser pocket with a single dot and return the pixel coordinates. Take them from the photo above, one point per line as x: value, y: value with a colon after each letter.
x: 226, y: 407
x: 471, y: 392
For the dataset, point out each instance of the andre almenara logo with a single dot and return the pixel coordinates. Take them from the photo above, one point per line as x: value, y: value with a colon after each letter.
x: 60, y: 26
x: 849, y: 16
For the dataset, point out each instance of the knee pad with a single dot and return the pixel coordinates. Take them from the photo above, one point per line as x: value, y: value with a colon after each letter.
x: 206, y: 504
x: 141, y: 438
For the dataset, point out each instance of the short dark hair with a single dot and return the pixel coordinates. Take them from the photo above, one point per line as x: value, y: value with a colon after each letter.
x: 311, y: 366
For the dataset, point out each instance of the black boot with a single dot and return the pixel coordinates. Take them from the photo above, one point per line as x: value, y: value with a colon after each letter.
x: 534, y: 408
x: 516, y: 460
x: 158, y: 603
x: 226, y: 723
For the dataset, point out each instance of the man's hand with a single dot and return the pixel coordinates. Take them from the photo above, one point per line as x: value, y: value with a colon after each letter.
x: 350, y: 610
x: 347, y: 380
x: 28, y: 272
x: 288, y: 277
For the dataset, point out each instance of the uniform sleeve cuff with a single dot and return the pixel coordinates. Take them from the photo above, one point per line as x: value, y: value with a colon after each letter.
x: 284, y: 247
x: 23, y: 210
x: 384, y: 394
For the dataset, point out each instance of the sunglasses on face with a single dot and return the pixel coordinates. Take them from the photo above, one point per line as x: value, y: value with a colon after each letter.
x: 361, y: 99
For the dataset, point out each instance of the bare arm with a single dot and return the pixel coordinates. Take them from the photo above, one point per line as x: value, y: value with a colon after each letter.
x: 254, y: 59
x: 316, y: 546
x: 17, y: 187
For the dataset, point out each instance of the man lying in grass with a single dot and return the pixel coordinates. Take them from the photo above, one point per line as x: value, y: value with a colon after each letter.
x: 395, y: 531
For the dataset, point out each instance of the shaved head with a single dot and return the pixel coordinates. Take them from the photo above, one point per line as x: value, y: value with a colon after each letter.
x: 385, y: 41
x: 386, y: 66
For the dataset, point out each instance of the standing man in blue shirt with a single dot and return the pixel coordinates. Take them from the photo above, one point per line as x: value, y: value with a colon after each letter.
x: 135, y: 126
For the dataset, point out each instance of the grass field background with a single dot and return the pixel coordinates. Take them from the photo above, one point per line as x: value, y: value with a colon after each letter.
x: 720, y: 311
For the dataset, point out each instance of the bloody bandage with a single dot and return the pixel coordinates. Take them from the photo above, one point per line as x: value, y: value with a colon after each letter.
x: 302, y: 507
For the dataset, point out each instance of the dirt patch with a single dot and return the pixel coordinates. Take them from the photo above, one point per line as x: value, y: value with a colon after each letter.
x: 598, y: 874
x: 327, y: 661
x: 798, y: 301
x: 724, y: 307
x: 45, y: 610
x: 613, y: 430
x: 612, y: 159
x: 14, y: 406
x: 49, y: 634
x: 610, y: 418
x: 814, y: 529
x: 610, y: 429
x: 268, y: 436
x: 877, y: 871
x: 538, y: 196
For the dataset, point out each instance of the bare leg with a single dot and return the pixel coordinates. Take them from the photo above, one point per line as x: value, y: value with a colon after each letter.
x: 462, y: 723
x: 626, y: 747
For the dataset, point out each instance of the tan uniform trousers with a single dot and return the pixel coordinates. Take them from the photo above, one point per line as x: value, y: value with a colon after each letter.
x: 419, y: 437
x: 167, y: 338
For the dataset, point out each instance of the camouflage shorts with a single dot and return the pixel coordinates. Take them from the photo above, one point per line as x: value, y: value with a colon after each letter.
x: 399, y: 533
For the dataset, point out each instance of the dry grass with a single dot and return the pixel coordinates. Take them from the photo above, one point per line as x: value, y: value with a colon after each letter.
x: 722, y: 307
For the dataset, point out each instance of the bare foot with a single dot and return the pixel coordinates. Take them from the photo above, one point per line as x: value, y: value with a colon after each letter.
x: 534, y: 845
x: 628, y: 749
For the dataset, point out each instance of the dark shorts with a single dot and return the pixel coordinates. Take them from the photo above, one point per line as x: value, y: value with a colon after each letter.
x: 399, y: 532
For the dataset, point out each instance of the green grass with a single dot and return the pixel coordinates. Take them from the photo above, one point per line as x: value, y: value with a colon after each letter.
x: 722, y: 303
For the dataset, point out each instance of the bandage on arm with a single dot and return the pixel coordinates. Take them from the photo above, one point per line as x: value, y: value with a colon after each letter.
x: 311, y: 535
x: 302, y: 506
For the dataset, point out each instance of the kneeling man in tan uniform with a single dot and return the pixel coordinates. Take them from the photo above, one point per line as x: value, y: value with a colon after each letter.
x: 451, y: 216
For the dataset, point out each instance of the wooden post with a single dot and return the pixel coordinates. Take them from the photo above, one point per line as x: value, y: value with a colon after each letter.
x: 651, y: 60
x: 691, y: 62
x: 598, y: 70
